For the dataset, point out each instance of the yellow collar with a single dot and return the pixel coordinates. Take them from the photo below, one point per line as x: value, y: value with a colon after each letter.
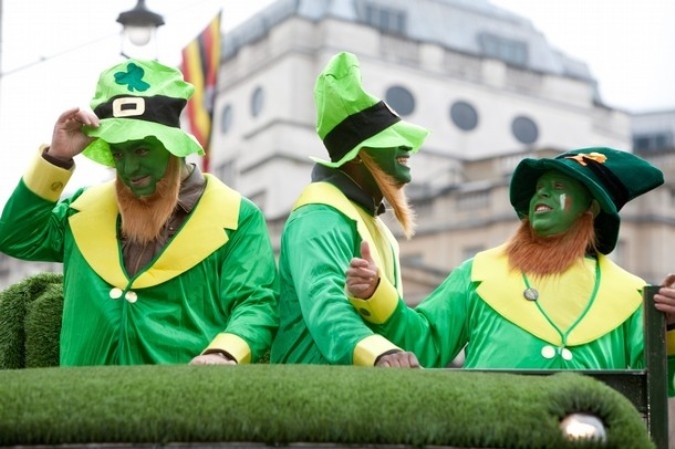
x: 619, y: 296
x: 94, y: 229
x: 326, y: 193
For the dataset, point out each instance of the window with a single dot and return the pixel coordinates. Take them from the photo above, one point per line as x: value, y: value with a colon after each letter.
x: 511, y: 51
x: 401, y: 100
x: 385, y: 19
x: 524, y: 129
x: 257, y: 101
x: 463, y: 115
x: 652, y: 142
x: 226, y: 172
x: 226, y: 119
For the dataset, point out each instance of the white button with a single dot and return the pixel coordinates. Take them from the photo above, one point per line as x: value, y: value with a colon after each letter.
x: 132, y: 297
x: 548, y: 352
x: 566, y: 354
x: 116, y: 293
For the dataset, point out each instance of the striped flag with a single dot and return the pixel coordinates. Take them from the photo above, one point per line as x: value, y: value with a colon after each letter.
x: 200, y: 63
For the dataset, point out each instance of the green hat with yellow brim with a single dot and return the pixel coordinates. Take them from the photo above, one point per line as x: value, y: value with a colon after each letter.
x: 613, y: 178
x: 137, y: 99
x: 349, y: 118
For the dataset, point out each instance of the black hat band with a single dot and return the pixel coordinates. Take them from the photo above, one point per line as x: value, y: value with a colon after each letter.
x: 158, y: 109
x: 358, y: 127
x: 612, y: 184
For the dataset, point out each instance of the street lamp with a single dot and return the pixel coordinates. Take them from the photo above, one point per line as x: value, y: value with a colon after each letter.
x: 139, y: 26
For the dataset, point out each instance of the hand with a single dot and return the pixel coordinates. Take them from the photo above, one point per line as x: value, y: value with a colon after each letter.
x: 665, y: 298
x: 362, y: 276
x: 68, y: 140
x: 214, y: 358
x: 398, y: 360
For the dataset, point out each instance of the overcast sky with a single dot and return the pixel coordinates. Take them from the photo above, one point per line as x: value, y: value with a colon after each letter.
x: 52, y: 52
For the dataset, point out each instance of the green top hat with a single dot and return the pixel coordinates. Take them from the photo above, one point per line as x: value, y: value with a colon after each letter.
x: 612, y: 177
x: 348, y: 118
x: 136, y: 99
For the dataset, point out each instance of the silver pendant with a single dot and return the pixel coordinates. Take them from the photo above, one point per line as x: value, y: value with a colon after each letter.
x: 531, y: 294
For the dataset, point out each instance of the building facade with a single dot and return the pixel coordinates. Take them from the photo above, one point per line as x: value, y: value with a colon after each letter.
x: 485, y: 82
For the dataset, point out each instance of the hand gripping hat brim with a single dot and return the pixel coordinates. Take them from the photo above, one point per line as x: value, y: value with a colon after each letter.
x: 613, y: 178
x: 348, y: 118
x: 137, y: 99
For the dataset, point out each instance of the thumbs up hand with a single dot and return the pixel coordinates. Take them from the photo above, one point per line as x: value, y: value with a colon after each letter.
x: 362, y: 274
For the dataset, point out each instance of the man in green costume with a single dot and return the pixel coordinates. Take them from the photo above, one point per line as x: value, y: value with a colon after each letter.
x: 549, y: 298
x: 369, y: 146
x: 162, y: 265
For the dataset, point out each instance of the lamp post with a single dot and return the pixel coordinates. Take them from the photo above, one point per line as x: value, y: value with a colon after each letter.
x: 139, y: 27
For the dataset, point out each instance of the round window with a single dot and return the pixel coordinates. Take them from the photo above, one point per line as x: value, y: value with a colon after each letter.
x: 463, y: 115
x: 524, y: 129
x: 226, y: 119
x: 400, y: 99
x: 257, y: 101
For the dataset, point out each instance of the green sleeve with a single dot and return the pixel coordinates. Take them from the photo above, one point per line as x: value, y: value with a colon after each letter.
x: 436, y: 330
x: 32, y: 227
x: 317, y: 245
x: 249, y: 282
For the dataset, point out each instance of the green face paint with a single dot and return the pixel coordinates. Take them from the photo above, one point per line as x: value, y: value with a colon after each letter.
x: 558, y: 201
x: 140, y: 164
x: 392, y: 161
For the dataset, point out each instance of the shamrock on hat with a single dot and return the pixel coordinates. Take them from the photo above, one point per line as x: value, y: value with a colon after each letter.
x: 136, y: 99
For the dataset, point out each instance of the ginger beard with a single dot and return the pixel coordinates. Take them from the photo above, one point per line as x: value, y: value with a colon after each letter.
x: 541, y: 256
x: 144, y: 217
x: 394, y: 193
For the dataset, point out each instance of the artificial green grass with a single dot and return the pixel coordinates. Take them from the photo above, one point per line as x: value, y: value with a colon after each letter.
x: 30, y: 322
x: 280, y: 404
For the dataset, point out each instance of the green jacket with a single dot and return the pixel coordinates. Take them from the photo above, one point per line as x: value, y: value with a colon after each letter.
x: 213, y: 286
x: 589, y: 317
x: 322, y: 234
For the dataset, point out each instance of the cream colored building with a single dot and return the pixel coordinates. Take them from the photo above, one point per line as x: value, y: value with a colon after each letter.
x: 485, y: 82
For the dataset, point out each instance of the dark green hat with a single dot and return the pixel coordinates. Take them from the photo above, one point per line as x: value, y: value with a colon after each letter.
x: 137, y: 99
x: 613, y: 178
x: 349, y: 118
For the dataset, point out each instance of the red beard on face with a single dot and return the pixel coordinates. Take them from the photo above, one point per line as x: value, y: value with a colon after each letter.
x: 144, y: 217
x: 394, y: 193
x: 541, y: 256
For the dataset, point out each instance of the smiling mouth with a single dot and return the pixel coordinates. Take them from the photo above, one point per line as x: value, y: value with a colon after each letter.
x: 542, y: 208
x: 139, y: 182
x: 402, y: 160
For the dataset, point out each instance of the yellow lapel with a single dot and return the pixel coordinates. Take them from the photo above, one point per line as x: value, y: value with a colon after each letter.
x: 619, y: 295
x: 94, y: 228
x: 327, y: 193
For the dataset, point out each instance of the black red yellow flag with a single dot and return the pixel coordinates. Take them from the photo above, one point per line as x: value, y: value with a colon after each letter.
x: 200, y: 63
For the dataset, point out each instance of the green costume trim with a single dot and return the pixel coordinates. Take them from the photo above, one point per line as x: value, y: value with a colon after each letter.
x: 328, y: 194
x: 228, y: 300
x: 317, y: 323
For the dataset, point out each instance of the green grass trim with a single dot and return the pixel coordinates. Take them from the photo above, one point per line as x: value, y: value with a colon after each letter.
x: 279, y: 404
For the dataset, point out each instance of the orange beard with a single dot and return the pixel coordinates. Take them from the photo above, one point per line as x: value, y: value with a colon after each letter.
x: 144, y: 217
x: 394, y: 193
x: 540, y: 256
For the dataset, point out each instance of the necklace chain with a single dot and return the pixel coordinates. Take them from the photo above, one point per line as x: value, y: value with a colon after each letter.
x: 533, y: 293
